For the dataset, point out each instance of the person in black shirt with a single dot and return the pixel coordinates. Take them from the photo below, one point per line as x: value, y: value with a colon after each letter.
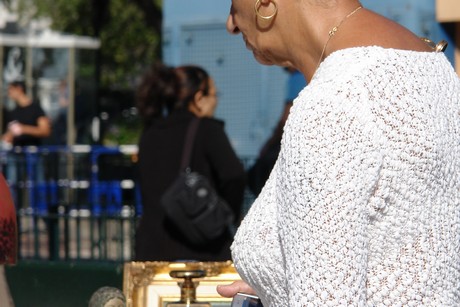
x: 27, y: 124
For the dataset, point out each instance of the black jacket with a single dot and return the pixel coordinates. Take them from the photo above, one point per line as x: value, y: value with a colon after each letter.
x: 160, y: 153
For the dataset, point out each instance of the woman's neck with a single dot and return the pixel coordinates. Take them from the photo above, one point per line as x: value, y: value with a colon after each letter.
x: 24, y: 101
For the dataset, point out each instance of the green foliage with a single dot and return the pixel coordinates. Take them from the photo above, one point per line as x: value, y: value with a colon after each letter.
x: 129, y: 39
x: 129, y: 31
x: 123, y: 131
x: 129, y: 45
x: 67, y: 15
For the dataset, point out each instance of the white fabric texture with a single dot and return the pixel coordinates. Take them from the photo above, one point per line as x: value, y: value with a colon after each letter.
x: 363, y: 205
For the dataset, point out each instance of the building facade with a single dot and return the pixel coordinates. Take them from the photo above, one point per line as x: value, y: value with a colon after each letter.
x: 251, y: 95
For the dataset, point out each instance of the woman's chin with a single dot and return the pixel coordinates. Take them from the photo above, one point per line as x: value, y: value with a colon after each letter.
x: 263, y: 60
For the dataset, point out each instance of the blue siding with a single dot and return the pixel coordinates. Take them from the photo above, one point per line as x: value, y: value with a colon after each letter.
x: 252, y: 95
x: 419, y: 16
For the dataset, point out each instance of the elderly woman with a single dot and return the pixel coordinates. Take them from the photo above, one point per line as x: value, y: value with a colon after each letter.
x: 363, y: 205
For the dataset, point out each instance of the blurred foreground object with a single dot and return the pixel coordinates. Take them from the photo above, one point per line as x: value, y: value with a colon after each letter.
x: 8, y: 225
x: 8, y: 239
x: 107, y: 297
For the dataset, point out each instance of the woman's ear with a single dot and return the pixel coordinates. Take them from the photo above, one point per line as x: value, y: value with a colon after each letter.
x: 197, y: 97
x: 196, y: 105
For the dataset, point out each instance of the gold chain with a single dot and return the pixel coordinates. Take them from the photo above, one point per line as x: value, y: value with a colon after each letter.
x: 439, y: 47
x: 333, y: 31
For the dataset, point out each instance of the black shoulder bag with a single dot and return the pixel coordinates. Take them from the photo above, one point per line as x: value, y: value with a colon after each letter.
x: 192, y: 203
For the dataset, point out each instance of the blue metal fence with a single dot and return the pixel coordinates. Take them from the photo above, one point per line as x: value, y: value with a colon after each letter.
x: 76, y: 203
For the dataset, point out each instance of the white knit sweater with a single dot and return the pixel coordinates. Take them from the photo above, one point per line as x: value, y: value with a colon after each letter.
x: 363, y: 205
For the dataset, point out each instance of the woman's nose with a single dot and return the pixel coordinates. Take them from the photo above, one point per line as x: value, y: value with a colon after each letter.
x: 231, y: 26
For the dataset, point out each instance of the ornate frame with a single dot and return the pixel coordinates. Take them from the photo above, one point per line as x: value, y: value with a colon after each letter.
x: 148, y: 284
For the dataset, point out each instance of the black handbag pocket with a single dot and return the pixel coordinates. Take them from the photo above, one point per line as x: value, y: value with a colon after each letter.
x: 196, y: 209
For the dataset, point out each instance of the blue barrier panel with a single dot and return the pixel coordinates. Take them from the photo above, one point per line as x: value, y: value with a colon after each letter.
x: 46, y: 176
x: 76, y: 203
x: 69, y: 204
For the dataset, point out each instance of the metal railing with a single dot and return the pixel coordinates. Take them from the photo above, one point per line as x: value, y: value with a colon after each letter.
x: 75, y: 203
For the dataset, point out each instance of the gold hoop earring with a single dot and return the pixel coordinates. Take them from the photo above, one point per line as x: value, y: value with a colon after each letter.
x: 257, y: 6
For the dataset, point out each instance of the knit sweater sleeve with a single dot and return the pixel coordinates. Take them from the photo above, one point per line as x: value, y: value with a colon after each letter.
x: 332, y: 164
x: 313, y: 237
x: 362, y: 207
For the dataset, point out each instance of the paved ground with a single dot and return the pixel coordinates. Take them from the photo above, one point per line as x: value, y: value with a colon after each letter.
x: 77, y: 236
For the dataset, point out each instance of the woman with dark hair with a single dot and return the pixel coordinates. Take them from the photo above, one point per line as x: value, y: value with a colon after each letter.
x: 168, y: 100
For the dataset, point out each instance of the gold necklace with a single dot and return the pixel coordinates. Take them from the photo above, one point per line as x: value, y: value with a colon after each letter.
x: 332, y: 33
x: 439, y: 47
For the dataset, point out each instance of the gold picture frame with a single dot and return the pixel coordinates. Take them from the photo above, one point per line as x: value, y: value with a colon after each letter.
x: 148, y: 284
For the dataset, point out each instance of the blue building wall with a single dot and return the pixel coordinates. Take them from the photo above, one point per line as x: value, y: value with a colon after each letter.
x: 419, y: 16
x: 251, y: 95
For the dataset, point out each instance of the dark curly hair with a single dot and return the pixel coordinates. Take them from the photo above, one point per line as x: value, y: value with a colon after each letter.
x: 164, y: 89
x: 157, y: 92
x: 192, y: 80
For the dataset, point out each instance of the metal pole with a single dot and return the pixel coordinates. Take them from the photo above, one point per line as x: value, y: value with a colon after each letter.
x: 30, y: 82
x: 70, y: 143
x: 71, y: 107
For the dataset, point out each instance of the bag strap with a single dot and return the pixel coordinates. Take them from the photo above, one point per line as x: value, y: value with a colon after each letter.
x: 189, y: 140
